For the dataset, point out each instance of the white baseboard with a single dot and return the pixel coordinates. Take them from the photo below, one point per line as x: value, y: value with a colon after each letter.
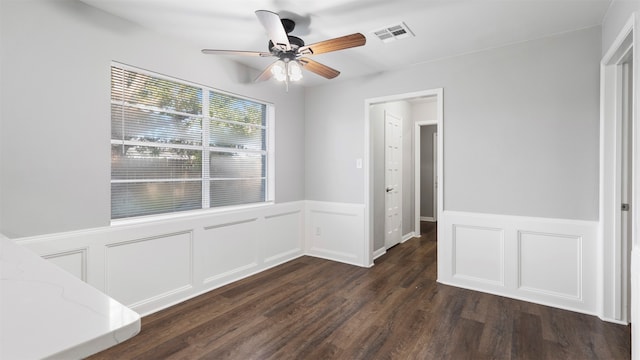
x: 379, y: 252
x: 408, y: 236
x: 429, y: 219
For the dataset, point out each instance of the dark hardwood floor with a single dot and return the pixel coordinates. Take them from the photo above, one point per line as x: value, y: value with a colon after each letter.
x: 311, y: 308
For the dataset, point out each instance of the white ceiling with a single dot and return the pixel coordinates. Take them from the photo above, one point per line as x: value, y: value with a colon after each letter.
x: 442, y: 28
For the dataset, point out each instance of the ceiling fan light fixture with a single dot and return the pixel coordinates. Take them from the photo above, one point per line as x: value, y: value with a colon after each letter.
x: 294, y: 70
x: 279, y: 70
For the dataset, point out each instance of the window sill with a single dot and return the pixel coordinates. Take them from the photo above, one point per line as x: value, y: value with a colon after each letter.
x: 188, y: 215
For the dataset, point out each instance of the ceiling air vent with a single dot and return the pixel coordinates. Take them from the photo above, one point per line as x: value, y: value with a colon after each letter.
x: 393, y: 32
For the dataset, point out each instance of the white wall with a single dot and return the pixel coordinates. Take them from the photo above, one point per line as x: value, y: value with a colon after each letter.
x: 490, y: 128
x: 425, y: 109
x: 55, y: 125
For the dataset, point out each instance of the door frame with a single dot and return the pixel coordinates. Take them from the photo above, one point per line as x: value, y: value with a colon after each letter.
x: 614, y: 267
x: 368, y: 247
x: 416, y: 167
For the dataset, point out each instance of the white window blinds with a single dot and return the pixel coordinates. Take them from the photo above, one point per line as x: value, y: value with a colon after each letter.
x: 177, y: 146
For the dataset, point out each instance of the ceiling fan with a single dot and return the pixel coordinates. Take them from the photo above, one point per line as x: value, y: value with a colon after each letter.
x: 291, y: 51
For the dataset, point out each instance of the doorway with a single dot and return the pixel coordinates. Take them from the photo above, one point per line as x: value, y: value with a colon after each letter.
x: 426, y: 166
x: 375, y: 187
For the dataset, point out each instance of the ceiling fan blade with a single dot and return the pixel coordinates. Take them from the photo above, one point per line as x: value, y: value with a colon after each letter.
x: 272, y: 23
x: 266, y: 74
x: 340, y: 43
x: 235, y: 52
x: 320, y: 69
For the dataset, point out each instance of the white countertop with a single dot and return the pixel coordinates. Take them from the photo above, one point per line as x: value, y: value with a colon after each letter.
x: 45, y: 312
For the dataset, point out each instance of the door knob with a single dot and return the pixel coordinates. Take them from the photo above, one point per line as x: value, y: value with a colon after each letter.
x: 389, y: 189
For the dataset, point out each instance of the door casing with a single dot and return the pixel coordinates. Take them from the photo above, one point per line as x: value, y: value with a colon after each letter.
x: 615, y: 304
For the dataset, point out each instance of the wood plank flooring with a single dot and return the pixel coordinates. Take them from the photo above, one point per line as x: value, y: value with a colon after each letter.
x: 311, y: 308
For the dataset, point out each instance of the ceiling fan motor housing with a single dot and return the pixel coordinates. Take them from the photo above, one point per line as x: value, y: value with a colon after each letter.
x: 295, y: 42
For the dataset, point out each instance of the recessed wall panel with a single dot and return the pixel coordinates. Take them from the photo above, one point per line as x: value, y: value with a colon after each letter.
x: 73, y: 262
x: 478, y: 254
x: 335, y: 234
x: 230, y: 248
x: 550, y: 264
x: 149, y: 268
x: 285, y: 236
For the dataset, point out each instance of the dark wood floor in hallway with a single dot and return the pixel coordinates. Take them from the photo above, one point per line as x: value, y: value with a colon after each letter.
x: 311, y: 308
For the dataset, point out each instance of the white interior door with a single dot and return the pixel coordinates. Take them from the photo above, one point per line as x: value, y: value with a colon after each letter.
x: 393, y: 179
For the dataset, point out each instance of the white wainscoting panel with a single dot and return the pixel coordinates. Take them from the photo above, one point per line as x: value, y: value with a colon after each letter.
x: 286, y: 238
x: 546, y: 261
x: 74, y: 262
x: 220, y: 247
x: 478, y: 254
x: 151, y: 264
x: 140, y: 271
x: 335, y: 231
x: 550, y: 264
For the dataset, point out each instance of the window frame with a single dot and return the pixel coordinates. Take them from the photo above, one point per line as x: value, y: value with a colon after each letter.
x: 205, y: 148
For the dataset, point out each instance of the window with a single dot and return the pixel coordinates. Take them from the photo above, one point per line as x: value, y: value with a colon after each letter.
x: 177, y: 146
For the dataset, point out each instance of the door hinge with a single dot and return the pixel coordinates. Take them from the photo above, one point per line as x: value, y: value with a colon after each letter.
x: 625, y: 207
